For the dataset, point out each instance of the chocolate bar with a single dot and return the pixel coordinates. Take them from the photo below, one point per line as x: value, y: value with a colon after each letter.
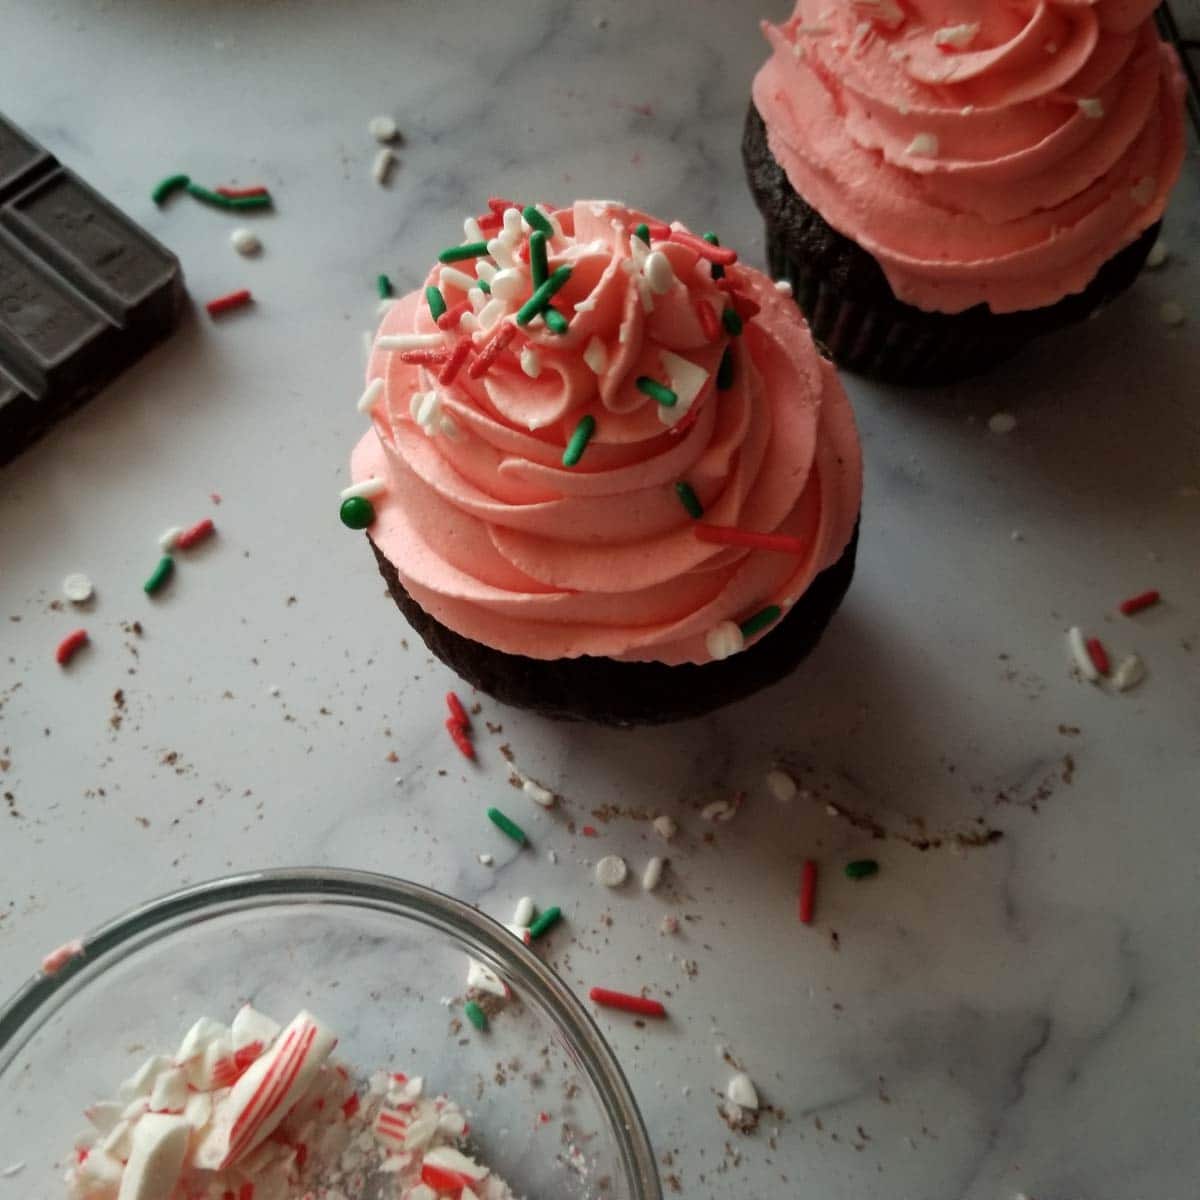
x: 84, y: 292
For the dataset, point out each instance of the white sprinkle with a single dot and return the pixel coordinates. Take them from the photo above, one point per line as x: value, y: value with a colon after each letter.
x: 15, y: 1169
x: 740, y: 1090
x: 652, y: 875
x: 687, y: 380
x: 658, y: 272
x: 373, y: 391
x: 382, y: 167
x: 611, y: 871
x: 784, y: 287
x: 1091, y: 107
x: 482, y: 978
x: 1002, y: 422
x: 883, y: 12
x: 245, y: 241
x: 472, y: 232
x: 368, y: 344
x: 724, y: 640
x: 1129, y: 674
x: 537, y: 793
x: 670, y: 924
x: 596, y: 356
x: 1017, y: 535
x: 924, y: 145
x: 781, y: 785
x: 447, y: 428
x: 832, y: 810
x: 514, y: 224
x: 523, y: 913
x: 384, y: 306
x: 479, y: 301
x: 552, y: 857
x: 531, y: 361
x: 485, y: 860
x: 493, y: 311
x: 168, y: 538
x: 508, y: 284
x: 274, y: 690
x: 1170, y: 312
x: 453, y: 277
x: 502, y: 251
x: 665, y: 827
x: 958, y: 36
x: 368, y: 489
x: 1159, y: 253
x: 382, y: 129
x: 485, y: 270
x: 78, y: 588
x: 411, y: 341
x: 719, y: 811
x: 1143, y: 191
x: 1079, y: 655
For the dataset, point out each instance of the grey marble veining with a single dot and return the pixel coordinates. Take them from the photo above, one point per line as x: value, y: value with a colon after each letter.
x: 1019, y: 1017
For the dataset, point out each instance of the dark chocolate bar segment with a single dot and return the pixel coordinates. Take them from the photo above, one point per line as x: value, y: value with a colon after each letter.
x: 84, y: 292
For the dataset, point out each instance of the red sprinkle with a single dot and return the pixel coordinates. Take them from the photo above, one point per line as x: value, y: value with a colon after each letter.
x: 716, y: 254
x: 660, y: 231
x: 490, y: 222
x: 741, y: 304
x: 455, y: 361
x: 224, y: 304
x: 498, y: 205
x: 451, y: 317
x: 492, y: 350
x: 627, y: 1003
x: 424, y: 358
x: 589, y: 831
x: 246, y: 1191
x: 70, y: 646
x: 710, y: 325
x: 808, y: 890
x: 194, y: 536
x: 459, y: 736
x: 241, y: 193
x: 455, y: 705
x: 1135, y: 604
x: 1098, y: 655
x: 723, y: 535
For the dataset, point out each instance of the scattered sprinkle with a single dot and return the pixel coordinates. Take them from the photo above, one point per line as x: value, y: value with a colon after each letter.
x: 383, y: 285
x: 195, y: 534
x: 669, y: 924
x: 507, y: 826
x: 545, y: 922
x: 627, y: 1003
x: 168, y: 537
x: 1002, y: 422
x: 159, y: 576
x: 382, y: 128
x: 666, y: 827
x: 539, y: 795
x: 455, y: 705
x: 257, y: 192
x: 719, y: 811
x: 229, y: 302
x: 231, y: 198
x: 657, y: 391
x: 524, y: 913
x: 485, y: 860
x: 781, y: 785
x: 487, y: 356
x: 531, y: 362
x: 579, y: 440
x: 764, y: 618
x: 1143, y: 600
x: 357, y: 512
x: 373, y: 391
x: 714, y: 254
x: 437, y: 304
x: 1159, y: 253
x: 454, y: 364
x: 1097, y: 653
x: 78, y: 588
x: 475, y: 1015
x: 956, y: 37
x: 453, y: 254
x: 710, y: 326
x: 740, y: 1090
x: 368, y: 489
x: 10, y: 1171
x: 57, y: 959
x: 924, y: 145
x: 784, y: 287
x: 555, y: 321
x: 458, y: 735
x: 1079, y: 655
x: 411, y: 341
x: 1129, y: 674
x: 724, y: 640
x: 862, y: 868
x: 652, y: 875
x: 689, y: 499
x: 659, y: 273
x: 536, y: 221
x: 808, y: 891
x: 245, y: 242
x: 596, y: 355
x: 611, y: 871
x: 537, y: 303
x: 381, y: 168
x: 168, y: 187
x: 642, y: 231
x: 539, y: 267
x: 70, y: 646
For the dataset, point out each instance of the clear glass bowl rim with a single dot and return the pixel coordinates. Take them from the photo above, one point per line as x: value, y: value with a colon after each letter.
x: 43, y: 995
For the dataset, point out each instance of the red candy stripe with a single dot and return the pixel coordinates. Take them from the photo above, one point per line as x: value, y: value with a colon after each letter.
x: 627, y: 1003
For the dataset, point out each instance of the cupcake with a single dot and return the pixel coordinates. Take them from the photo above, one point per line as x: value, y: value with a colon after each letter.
x: 941, y: 184
x: 608, y: 475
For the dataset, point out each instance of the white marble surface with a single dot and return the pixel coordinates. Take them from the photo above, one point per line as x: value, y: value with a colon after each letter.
x: 1016, y: 1018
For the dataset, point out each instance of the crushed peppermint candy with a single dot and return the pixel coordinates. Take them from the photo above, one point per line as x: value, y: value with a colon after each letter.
x: 666, y: 827
x: 258, y: 1112
x: 740, y: 1090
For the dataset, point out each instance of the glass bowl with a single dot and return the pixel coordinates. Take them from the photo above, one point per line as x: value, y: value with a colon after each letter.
x: 383, y: 962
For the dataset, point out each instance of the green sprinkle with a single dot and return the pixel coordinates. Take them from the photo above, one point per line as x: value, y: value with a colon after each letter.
x: 542, y: 296
x: 539, y: 269
x: 537, y: 221
x: 475, y: 1015
x: 689, y: 499
x: 579, y: 440
x: 733, y: 323
x: 718, y: 271
x: 760, y: 620
x: 384, y: 286
x: 555, y: 321
x: 357, y: 512
x: 233, y: 202
x: 507, y: 826
x: 545, y: 922
x: 172, y: 183
x: 453, y: 254
x: 159, y: 575
x: 484, y: 286
x: 643, y: 232
x: 862, y: 868
x: 437, y: 305
x: 657, y: 391
x: 725, y: 371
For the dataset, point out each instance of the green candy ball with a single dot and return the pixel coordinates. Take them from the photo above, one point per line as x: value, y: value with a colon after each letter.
x: 357, y: 512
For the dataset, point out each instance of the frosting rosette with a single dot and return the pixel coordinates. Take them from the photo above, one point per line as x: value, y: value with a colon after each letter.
x: 597, y: 434
x: 995, y: 153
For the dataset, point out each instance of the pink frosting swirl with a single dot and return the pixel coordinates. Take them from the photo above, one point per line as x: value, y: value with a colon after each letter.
x: 992, y: 153
x: 499, y: 540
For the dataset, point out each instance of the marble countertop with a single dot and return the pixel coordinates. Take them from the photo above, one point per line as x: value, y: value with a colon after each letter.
x: 971, y: 1023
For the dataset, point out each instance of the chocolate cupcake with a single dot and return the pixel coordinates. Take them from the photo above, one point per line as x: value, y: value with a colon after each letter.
x: 608, y: 476
x: 939, y: 193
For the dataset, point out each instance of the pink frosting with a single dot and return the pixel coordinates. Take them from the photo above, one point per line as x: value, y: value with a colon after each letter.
x: 501, y: 542
x: 996, y: 153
